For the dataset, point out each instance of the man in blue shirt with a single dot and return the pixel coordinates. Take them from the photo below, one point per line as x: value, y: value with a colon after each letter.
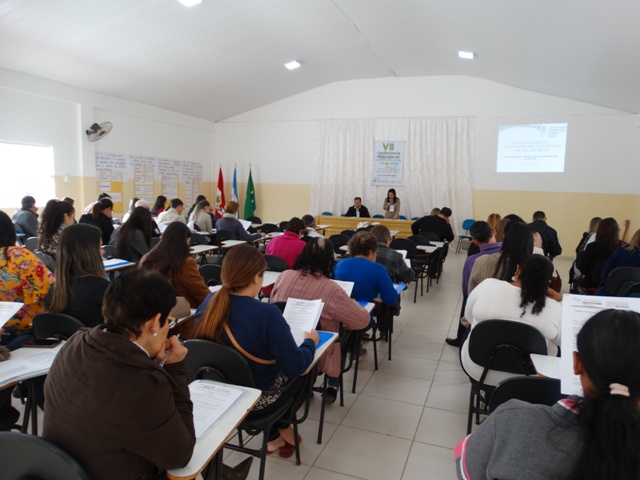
x: 484, y: 237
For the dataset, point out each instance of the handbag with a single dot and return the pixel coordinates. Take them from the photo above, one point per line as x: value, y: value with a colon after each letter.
x: 181, y: 309
x: 556, y: 282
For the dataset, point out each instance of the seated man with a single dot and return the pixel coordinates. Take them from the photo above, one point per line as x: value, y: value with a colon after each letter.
x: 483, y: 236
x: 550, y: 243
x: 174, y: 214
x: 358, y: 210
x: 389, y: 258
x: 26, y: 219
x: 439, y: 224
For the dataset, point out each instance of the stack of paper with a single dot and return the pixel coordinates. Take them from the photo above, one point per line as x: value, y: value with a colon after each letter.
x: 8, y: 310
x: 346, y: 286
x: 302, y: 316
x: 210, y: 402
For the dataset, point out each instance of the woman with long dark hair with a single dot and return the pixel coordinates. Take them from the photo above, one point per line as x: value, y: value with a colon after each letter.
x: 391, y: 205
x: 259, y: 332
x: 159, y: 205
x: 517, y: 244
x: 134, y: 237
x: 309, y: 280
x: 172, y: 258
x: 56, y: 216
x: 100, y: 216
x: 526, y: 299
x: 80, y: 277
x: 607, y: 241
x: 594, y: 437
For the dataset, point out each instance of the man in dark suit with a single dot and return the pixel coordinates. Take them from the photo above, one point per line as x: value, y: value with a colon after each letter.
x: 439, y: 224
x: 550, y: 243
x: 358, y: 210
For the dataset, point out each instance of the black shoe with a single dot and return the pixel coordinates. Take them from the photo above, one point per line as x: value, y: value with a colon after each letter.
x: 239, y: 472
x: 454, y: 342
x: 332, y: 394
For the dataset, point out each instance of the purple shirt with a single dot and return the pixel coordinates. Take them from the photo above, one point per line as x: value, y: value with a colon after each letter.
x: 468, y: 264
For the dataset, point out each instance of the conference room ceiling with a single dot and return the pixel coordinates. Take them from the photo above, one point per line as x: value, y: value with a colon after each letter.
x: 224, y: 57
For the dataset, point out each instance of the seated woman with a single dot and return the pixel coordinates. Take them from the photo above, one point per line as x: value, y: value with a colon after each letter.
x: 517, y: 244
x: 230, y: 223
x: 80, y: 277
x: 527, y: 299
x: 159, y: 205
x: 23, y: 278
x: 134, y: 237
x: 136, y: 413
x: 201, y: 216
x: 371, y: 280
x: 627, y: 256
x: 56, y: 216
x: 607, y: 241
x: 591, y: 438
x: 100, y: 216
x: 259, y: 332
x: 172, y: 258
x: 309, y: 281
x: 288, y: 246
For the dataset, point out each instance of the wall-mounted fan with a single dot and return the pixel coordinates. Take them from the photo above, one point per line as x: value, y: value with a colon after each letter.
x: 97, y: 131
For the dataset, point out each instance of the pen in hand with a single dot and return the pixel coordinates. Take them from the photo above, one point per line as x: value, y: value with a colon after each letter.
x: 166, y: 355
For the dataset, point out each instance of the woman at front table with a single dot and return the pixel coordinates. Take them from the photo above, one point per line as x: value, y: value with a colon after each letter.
x: 259, y: 332
x: 172, y: 258
x: 111, y: 403
x: 596, y: 437
x: 80, y: 278
x: 391, y: 205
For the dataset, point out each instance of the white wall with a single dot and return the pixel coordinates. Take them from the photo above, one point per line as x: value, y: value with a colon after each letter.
x: 601, y: 152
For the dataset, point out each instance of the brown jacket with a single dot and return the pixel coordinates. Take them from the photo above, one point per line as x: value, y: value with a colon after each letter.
x: 190, y: 284
x: 115, y: 409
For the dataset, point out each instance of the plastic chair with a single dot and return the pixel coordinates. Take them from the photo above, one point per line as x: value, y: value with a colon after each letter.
x: 31, y: 244
x: 532, y: 389
x: 223, y: 235
x: 47, y: 259
x: 253, y: 219
x: 327, y: 214
x: 419, y: 240
x: 466, y: 225
x: 283, y: 225
x: 213, y: 361
x: 377, y: 215
x: 348, y: 233
x: 25, y: 456
x: 619, y: 276
x: 402, y: 217
x: 502, y: 346
x: 430, y: 235
x: 275, y: 263
x: 55, y: 325
x: 269, y: 228
x: 339, y: 241
x: 211, y: 274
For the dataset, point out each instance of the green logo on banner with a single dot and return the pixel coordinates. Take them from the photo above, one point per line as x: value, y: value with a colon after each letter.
x: 387, y: 146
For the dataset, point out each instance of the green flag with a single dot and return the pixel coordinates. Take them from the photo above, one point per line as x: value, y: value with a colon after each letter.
x: 250, y: 202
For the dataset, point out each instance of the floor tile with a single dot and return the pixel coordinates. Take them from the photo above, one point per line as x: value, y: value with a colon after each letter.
x: 384, y: 416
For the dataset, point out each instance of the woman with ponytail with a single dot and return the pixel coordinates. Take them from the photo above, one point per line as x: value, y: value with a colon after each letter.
x: 56, y: 216
x: 233, y: 316
x: 594, y: 437
x: 526, y: 299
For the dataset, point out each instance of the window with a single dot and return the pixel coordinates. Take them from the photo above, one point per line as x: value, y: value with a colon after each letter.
x: 26, y: 170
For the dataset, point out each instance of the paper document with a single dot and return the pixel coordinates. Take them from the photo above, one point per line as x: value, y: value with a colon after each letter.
x: 162, y: 227
x: 399, y: 287
x: 114, y: 262
x: 8, y: 310
x: 302, y: 316
x: 346, y: 286
x: 403, y: 253
x: 245, y: 223
x: 210, y: 402
x: 576, y: 310
x: 27, y: 364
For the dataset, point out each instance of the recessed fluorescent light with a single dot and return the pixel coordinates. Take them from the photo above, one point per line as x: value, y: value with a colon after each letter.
x: 190, y: 3
x: 292, y: 65
x: 466, y: 55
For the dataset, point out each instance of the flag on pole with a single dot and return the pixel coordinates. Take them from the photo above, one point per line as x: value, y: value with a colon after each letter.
x: 234, y: 193
x: 250, y: 202
x: 220, y: 203
x: 234, y: 189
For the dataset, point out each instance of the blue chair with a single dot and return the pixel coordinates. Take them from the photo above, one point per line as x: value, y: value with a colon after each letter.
x: 377, y: 215
x: 466, y: 225
x: 403, y: 217
x: 327, y: 214
x: 415, y: 218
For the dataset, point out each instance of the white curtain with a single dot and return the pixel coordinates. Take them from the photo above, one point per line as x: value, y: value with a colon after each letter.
x: 438, y: 165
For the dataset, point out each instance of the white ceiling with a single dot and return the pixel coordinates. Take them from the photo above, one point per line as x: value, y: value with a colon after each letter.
x: 225, y: 57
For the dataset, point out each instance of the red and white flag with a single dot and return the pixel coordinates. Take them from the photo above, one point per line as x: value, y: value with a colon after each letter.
x: 220, y: 203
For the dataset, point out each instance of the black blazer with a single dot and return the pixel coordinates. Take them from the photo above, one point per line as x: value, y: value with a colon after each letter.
x: 364, y: 212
